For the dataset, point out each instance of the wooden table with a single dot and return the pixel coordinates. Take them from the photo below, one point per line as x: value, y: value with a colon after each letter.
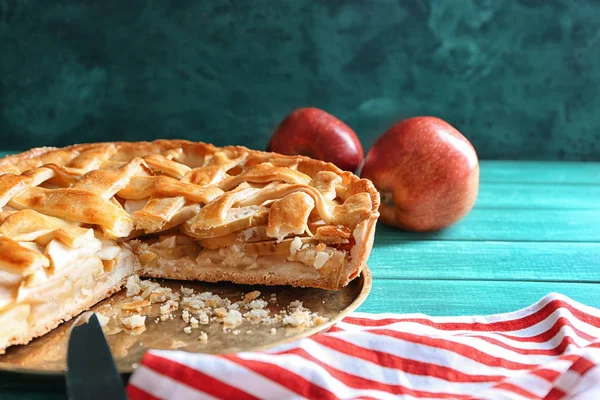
x: 535, y: 229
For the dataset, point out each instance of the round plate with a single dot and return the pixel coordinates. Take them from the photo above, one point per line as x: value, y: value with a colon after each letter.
x: 47, y: 354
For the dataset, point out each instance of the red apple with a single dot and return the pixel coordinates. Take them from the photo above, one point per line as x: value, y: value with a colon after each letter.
x: 313, y: 132
x: 427, y: 173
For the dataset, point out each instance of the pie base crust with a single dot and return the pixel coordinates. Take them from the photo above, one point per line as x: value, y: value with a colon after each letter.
x: 76, y: 222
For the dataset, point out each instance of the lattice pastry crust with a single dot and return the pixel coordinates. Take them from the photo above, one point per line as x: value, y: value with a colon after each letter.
x: 76, y: 222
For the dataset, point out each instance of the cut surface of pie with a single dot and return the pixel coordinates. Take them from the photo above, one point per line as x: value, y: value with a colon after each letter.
x: 76, y: 222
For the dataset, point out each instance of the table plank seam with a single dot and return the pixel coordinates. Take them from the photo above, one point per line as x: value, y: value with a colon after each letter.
x: 431, y: 279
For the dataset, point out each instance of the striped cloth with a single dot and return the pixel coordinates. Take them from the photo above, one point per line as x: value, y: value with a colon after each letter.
x: 550, y: 350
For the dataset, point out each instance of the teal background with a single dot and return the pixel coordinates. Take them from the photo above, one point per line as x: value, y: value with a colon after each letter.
x: 519, y: 78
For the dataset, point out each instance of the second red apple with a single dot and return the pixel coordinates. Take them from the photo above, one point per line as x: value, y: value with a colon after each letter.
x: 313, y: 132
x: 427, y: 173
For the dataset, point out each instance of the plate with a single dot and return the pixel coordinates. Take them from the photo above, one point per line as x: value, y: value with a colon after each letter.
x: 47, y: 355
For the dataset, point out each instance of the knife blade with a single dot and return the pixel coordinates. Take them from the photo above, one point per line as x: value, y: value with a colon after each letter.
x: 91, y: 370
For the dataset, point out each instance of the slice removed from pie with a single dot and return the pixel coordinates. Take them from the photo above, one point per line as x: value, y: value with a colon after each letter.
x: 76, y: 222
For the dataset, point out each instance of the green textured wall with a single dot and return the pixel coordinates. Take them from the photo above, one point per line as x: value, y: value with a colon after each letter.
x: 520, y: 78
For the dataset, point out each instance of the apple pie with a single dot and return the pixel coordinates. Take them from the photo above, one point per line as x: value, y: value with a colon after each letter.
x: 77, y: 222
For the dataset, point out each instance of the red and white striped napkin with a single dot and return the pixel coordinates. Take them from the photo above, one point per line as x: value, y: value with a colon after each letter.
x: 550, y: 350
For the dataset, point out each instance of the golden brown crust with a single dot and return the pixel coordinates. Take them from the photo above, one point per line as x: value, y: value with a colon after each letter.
x: 83, y: 206
x: 181, y: 191
x: 20, y: 260
x: 18, y: 163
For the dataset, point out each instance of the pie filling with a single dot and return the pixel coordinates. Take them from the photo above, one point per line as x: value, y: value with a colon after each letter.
x: 266, y: 261
x: 75, y: 223
x: 78, y: 278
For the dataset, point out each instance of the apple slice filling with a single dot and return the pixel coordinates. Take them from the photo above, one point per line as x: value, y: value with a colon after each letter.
x: 287, y: 233
x: 255, y: 225
x: 244, y: 249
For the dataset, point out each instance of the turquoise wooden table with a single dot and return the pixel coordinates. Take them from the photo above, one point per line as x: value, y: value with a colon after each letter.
x: 535, y: 229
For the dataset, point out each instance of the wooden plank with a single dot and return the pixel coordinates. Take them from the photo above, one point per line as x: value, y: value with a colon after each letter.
x: 539, y: 171
x: 507, y: 171
x: 468, y: 297
x: 511, y: 225
x: 528, y: 195
x: 561, y: 262
x: 539, y: 195
x: 525, y: 171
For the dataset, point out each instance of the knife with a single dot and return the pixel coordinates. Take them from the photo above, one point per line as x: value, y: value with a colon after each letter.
x: 91, y: 370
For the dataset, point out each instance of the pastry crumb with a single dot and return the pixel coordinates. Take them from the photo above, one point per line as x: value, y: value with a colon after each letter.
x: 168, y: 307
x: 251, y: 296
x: 295, y: 304
x: 160, y: 295
x: 256, y: 316
x: 202, y: 317
x: 233, y: 318
x: 221, y: 312
x: 185, y: 315
x: 135, y: 305
x: 133, y: 286
x: 186, y: 291
x: 202, y: 308
x: 297, y: 318
x: 257, y: 304
x: 134, y: 321
x: 102, y: 319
